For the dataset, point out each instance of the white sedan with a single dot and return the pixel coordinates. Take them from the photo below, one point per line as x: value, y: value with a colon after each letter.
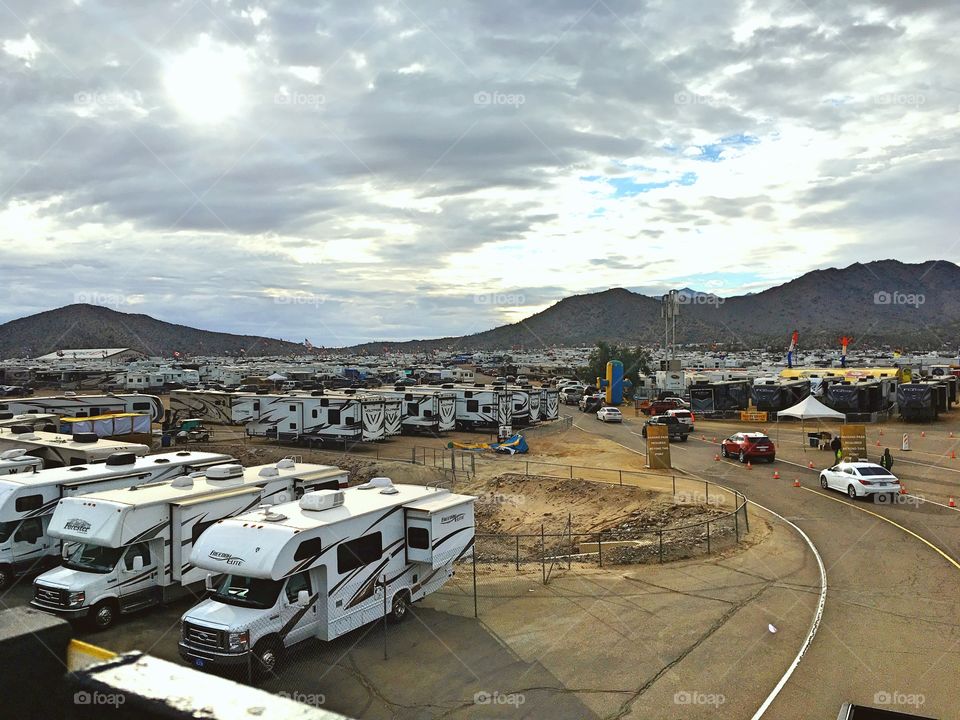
x: 859, y: 479
x: 609, y: 414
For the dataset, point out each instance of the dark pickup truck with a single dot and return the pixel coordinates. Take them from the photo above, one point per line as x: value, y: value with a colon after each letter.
x: 677, y: 430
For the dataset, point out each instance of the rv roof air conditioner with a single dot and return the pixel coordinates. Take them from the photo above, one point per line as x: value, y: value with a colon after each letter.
x: 285, y: 464
x: 183, y: 481
x: 384, y: 484
x: 86, y: 438
x: 320, y: 500
x: 269, y: 472
x: 224, y: 473
x: 121, y: 458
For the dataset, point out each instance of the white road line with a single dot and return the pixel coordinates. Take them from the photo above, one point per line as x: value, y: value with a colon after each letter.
x: 815, y: 625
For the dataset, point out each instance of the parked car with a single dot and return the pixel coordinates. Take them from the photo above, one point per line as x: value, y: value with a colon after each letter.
x: 683, y: 415
x: 571, y: 395
x: 676, y: 429
x: 590, y: 403
x: 609, y: 414
x: 659, y: 407
x: 749, y: 446
x: 859, y: 479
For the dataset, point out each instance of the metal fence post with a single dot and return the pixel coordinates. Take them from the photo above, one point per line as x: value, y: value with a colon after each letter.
x: 674, y: 479
x: 660, y: 534
x: 736, y: 518
x: 569, y: 538
x: 543, y: 555
x: 708, y: 537
x: 746, y: 518
x: 571, y: 472
x: 600, y: 547
x: 706, y: 486
x: 475, y: 614
x: 517, y: 538
x: 527, y: 469
x: 413, y: 456
x: 621, y: 476
x: 473, y: 464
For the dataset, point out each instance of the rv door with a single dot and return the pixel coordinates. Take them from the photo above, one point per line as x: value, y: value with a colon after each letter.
x: 138, y: 573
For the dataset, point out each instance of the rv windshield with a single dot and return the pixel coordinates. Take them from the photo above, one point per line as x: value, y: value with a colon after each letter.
x: 94, y: 558
x: 6, y: 529
x: 247, y: 592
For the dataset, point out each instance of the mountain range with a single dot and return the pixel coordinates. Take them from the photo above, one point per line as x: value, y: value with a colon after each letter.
x: 882, y: 302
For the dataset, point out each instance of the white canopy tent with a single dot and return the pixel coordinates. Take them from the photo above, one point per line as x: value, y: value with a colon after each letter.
x: 809, y: 409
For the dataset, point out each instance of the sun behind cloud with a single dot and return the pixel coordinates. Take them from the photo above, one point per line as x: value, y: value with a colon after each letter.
x: 206, y: 82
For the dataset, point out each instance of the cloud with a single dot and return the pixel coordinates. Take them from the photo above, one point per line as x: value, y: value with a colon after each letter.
x: 395, y: 162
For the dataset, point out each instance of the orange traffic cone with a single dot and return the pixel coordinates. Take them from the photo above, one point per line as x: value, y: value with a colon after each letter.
x: 903, y: 489
x: 776, y: 474
x: 953, y: 503
x: 953, y: 454
x: 878, y: 443
x: 881, y: 432
x: 796, y: 482
x: 951, y: 433
x: 923, y: 433
x: 717, y: 456
x: 810, y: 464
x: 749, y: 465
x: 714, y: 438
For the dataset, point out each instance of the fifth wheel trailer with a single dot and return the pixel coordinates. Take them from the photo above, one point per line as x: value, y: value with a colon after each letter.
x: 27, y: 500
x: 321, y: 567
x: 131, y: 548
x: 88, y: 405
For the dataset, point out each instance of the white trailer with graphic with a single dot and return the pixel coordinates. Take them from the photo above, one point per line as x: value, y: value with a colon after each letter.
x: 481, y: 406
x: 549, y: 403
x: 27, y: 500
x: 87, y: 405
x: 316, y: 417
x: 16, y: 461
x: 131, y: 548
x: 214, y: 407
x: 321, y: 567
x: 59, y: 450
x: 424, y: 410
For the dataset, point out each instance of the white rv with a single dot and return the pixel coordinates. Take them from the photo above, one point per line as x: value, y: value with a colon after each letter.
x: 424, y: 410
x: 211, y: 406
x: 27, y: 500
x: 87, y: 405
x: 58, y: 450
x: 341, y: 417
x: 321, y: 567
x: 131, y: 548
x: 13, y: 462
x: 482, y: 406
x: 38, y: 421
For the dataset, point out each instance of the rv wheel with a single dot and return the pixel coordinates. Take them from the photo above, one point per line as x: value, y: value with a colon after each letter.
x: 102, y: 615
x: 266, y: 656
x: 401, y: 601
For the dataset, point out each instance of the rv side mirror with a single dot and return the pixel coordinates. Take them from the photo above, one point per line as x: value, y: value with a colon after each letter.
x: 208, y: 582
x: 137, y: 563
x: 303, y: 598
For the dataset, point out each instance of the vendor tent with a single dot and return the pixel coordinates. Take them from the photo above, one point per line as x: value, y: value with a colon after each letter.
x: 808, y: 409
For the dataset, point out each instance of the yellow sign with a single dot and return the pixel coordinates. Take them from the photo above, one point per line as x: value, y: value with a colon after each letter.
x: 753, y: 416
x: 853, y: 441
x: 658, y: 447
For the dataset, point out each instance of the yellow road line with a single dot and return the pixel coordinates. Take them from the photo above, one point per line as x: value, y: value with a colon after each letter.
x: 888, y: 520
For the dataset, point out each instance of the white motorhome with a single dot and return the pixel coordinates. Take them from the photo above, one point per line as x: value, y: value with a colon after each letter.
x: 424, y: 410
x: 131, y: 548
x: 341, y: 417
x: 482, y: 406
x: 58, y: 450
x: 16, y: 461
x: 321, y: 567
x: 27, y: 500
x: 87, y: 405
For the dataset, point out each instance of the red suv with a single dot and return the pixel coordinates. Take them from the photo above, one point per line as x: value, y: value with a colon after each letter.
x: 749, y: 446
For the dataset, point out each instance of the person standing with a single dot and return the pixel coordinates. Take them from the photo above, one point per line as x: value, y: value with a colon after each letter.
x: 837, y: 448
x: 886, y: 461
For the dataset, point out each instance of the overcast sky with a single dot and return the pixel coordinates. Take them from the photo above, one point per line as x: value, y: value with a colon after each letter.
x: 345, y: 171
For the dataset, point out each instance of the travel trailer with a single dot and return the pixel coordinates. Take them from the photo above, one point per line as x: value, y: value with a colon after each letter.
x: 424, y: 410
x: 16, y: 461
x: 38, y: 421
x: 27, y: 500
x: 321, y: 567
x: 131, y: 547
x: 549, y: 403
x: 320, y: 416
x: 213, y: 407
x: 481, y: 406
x: 57, y: 450
x: 87, y: 405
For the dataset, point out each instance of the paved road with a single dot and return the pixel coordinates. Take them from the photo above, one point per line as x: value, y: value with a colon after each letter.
x: 889, y: 634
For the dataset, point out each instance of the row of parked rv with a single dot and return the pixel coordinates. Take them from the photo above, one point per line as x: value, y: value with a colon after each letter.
x: 286, y: 550
x: 354, y: 415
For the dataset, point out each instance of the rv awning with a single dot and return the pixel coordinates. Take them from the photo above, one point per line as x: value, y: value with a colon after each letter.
x: 811, y: 409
